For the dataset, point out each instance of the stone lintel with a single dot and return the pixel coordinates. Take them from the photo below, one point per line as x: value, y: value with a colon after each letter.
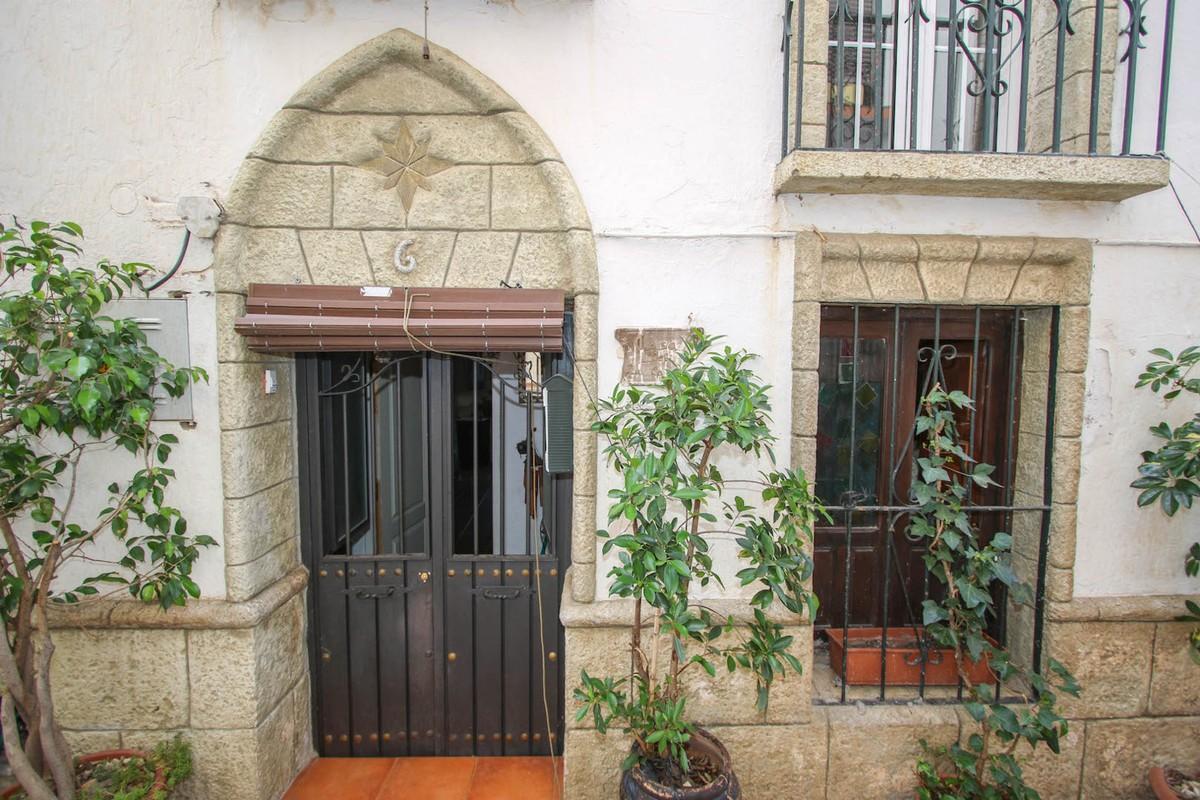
x: 1012, y: 175
x: 197, y: 615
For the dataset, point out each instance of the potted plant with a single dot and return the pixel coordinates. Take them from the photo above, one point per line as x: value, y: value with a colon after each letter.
x: 664, y: 442
x: 129, y: 774
x: 74, y: 382
x: 1170, y: 477
x: 984, y: 763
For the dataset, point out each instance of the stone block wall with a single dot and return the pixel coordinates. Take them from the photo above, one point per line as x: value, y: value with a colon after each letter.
x: 1140, y: 707
x: 230, y: 678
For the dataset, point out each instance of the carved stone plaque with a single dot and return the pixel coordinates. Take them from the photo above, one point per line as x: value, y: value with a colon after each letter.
x: 649, y: 352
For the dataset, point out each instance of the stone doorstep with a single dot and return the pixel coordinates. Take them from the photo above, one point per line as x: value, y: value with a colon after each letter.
x: 1022, y: 176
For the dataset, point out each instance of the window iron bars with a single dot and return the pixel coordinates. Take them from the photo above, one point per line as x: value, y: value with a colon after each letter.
x: 350, y: 383
x: 900, y: 451
x: 973, y: 75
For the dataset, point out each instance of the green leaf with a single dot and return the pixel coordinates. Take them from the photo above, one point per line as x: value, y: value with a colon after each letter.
x: 87, y: 398
x: 79, y: 366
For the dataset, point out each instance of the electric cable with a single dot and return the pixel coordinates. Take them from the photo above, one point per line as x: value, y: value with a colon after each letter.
x: 187, y: 237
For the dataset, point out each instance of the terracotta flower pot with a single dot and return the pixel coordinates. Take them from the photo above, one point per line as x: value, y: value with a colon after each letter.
x: 637, y: 785
x: 160, y: 775
x: 864, y: 662
x: 1160, y: 782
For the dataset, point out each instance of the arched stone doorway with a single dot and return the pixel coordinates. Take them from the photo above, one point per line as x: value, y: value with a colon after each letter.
x: 386, y: 169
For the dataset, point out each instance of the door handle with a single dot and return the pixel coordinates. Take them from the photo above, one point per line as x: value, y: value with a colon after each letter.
x: 500, y: 592
x: 375, y: 592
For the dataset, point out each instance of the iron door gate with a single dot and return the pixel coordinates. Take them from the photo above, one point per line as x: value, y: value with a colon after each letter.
x: 436, y: 544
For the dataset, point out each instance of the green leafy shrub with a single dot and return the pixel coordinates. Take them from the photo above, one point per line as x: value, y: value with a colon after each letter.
x: 662, y: 441
x: 74, y: 381
x: 1170, y: 475
x: 984, y: 764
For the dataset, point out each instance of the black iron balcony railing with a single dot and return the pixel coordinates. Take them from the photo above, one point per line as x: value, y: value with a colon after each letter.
x: 1039, y: 76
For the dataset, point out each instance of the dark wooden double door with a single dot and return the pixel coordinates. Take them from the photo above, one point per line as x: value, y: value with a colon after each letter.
x: 436, y: 547
x: 864, y: 564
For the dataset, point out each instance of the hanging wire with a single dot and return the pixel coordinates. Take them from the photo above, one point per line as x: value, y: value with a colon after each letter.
x: 526, y: 377
x: 425, y: 45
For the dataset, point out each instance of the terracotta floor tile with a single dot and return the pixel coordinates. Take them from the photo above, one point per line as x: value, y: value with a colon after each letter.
x: 513, y: 777
x: 446, y: 778
x: 343, y: 778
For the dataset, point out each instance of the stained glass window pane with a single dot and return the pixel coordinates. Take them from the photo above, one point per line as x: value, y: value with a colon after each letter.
x: 849, y: 398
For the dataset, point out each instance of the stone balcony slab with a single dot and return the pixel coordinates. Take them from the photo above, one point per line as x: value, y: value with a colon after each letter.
x: 1009, y: 175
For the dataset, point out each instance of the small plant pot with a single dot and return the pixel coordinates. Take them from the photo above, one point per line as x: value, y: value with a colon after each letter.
x: 1158, y: 782
x: 160, y: 774
x: 864, y: 661
x: 637, y: 785
x: 1161, y: 780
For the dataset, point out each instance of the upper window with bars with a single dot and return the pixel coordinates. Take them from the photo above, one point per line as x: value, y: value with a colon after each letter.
x: 977, y: 75
x: 910, y: 79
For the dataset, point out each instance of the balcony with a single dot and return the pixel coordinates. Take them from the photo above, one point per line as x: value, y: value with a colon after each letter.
x: 1034, y: 99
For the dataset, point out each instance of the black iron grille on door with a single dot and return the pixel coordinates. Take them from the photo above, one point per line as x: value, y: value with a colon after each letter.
x: 875, y: 364
x: 436, y: 543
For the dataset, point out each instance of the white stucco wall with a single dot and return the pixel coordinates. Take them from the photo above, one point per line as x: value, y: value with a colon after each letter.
x: 667, y: 113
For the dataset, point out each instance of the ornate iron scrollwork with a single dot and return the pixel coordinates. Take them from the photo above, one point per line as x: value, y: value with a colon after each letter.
x: 1136, y: 29
x: 997, y: 21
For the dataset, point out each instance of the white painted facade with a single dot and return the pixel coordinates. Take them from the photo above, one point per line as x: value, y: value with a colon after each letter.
x: 666, y: 113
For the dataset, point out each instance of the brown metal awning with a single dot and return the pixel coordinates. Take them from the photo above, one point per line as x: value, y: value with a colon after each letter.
x: 304, y: 319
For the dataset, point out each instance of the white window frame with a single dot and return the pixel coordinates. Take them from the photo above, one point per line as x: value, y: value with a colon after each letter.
x: 930, y: 131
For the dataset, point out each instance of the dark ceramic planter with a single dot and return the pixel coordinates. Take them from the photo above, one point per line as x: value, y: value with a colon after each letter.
x: 635, y: 785
x: 160, y: 775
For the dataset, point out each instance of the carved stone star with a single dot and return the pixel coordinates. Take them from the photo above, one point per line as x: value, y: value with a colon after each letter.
x: 407, y: 165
